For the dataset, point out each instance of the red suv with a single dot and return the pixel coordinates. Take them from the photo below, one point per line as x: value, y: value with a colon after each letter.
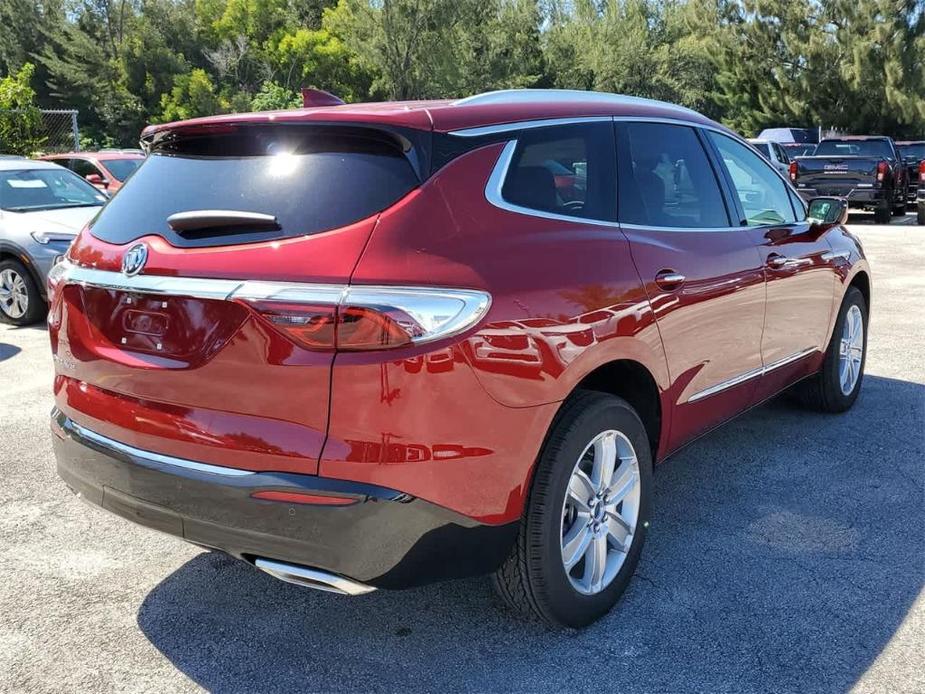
x: 381, y: 345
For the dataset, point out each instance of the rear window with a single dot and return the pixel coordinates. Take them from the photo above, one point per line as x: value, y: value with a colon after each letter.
x: 854, y: 148
x: 914, y: 151
x: 311, y: 179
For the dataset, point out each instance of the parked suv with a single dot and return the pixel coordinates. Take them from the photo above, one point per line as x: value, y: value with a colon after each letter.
x: 380, y: 345
x: 42, y: 207
x: 913, y: 154
x: 774, y: 153
x: 106, y: 170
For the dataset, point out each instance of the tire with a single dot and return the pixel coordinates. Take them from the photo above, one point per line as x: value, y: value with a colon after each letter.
x: 824, y: 391
x: 882, y: 214
x: 899, y: 210
x: 16, y: 286
x: 920, y: 216
x: 534, y: 579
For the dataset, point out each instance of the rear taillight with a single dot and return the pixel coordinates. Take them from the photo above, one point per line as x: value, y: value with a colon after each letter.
x: 794, y: 169
x: 324, y: 317
x: 922, y: 170
x: 882, y: 170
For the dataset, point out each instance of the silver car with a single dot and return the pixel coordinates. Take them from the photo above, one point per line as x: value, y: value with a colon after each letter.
x: 42, y: 207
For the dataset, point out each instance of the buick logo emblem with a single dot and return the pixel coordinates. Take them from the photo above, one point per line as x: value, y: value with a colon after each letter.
x: 134, y: 259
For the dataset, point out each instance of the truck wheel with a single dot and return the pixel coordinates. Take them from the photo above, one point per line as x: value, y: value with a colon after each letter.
x: 899, y: 210
x: 585, y: 523
x: 21, y: 302
x: 920, y: 217
x: 882, y: 214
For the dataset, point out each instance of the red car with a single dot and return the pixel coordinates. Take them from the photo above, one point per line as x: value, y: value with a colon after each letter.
x: 106, y: 170
x: 373, y: 346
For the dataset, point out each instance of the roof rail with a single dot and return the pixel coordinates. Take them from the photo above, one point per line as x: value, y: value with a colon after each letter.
x: 529, y: 96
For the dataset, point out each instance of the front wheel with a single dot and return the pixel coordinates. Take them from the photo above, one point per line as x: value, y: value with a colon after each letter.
x: 20, y: 300
x: 836, y: 386
x: 582, y: 532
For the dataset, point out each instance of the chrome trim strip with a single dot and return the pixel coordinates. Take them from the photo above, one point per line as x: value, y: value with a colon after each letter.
x: 107, y: 443
x: 643, y: 227
x: 196, y: 287
x: 496, y: 183
x: 312, y: 578
x: 528, y: 125
x: 741, y: 378
x: 418, y: 302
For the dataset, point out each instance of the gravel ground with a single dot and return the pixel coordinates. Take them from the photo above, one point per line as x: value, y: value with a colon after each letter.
x: 787, y: 554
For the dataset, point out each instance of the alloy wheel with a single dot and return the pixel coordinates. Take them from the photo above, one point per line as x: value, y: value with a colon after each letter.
x: 600, y: 512
x: 851, y: 350
x: 14, y: 295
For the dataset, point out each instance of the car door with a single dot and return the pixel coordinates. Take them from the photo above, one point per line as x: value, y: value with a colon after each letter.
x: 798, y: 264
x: 84, y: 168
x: 703, y: 276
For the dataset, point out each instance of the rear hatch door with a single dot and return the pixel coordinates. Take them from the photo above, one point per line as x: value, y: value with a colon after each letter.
x: 181, y: 325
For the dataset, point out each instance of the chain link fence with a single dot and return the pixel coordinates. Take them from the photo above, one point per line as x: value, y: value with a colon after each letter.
x: 60, y: 130
x: 34, y: 131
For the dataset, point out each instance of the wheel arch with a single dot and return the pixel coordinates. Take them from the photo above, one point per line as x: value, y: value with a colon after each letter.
x: 632, y: 381
x: 861, y: 280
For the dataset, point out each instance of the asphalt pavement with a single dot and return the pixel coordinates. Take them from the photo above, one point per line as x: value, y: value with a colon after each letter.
x: 787, y: 554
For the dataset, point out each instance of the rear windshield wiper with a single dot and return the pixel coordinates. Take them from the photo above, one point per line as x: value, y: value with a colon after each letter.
x: 216, y: 220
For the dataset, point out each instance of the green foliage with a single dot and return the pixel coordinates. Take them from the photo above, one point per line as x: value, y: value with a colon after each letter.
x: 855, y: 65
x: 20, y: 119
x: 192, y: 95
x: 275, y: 97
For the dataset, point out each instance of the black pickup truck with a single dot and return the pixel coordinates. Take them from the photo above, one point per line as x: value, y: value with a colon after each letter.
x: 913, y: 154
x: 867, y: 170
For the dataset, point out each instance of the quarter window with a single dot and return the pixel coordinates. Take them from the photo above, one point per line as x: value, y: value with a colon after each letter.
x: 564, y: 170
x: 763, y: 194
x: 665, y: 178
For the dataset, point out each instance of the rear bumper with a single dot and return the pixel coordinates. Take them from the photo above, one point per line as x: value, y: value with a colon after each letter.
x: 856, y: 197
x: 382, y: 538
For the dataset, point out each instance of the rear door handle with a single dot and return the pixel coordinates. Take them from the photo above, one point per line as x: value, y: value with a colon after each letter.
x: 669, y: 280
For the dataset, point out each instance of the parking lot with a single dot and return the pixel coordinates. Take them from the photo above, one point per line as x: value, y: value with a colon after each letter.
x: 787, y: 554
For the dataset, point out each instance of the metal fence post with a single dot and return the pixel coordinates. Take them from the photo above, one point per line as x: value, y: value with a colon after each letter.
x: 75, y: 131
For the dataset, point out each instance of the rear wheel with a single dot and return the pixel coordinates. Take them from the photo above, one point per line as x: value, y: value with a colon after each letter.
x: 920, y: 216
x: 582, y: 533
x: 20, y: 300
x: 882, y: 214
x: 836, y: 386
x: 899, y: 209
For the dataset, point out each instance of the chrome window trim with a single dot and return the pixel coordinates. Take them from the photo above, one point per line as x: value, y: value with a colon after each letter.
x: 496, y: 183
x: 499, y: 173
x: 143, y: 456
x: 748, y: 375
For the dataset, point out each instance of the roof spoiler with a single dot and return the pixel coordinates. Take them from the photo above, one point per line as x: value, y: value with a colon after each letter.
x: 313, y: 98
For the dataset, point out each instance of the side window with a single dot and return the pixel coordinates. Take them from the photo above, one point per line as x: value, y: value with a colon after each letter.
x: 665, y: 178
x: 83, y: 168
x: 566, y: 170
x: 781, y: 154
x: 764, y: 196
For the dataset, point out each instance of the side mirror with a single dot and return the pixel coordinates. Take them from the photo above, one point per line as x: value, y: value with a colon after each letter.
x: 97, y: 180
x: 828, y: 211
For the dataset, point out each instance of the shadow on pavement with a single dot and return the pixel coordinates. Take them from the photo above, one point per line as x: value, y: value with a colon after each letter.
x: 8, y: 351
x: 787, y: 548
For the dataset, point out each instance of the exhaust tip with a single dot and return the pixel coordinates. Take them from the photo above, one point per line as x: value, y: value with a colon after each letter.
x: 311, y: 578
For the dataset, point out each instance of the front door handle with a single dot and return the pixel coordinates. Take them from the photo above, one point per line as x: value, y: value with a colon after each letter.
x: 669, y: 280
x: 780, y: 262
